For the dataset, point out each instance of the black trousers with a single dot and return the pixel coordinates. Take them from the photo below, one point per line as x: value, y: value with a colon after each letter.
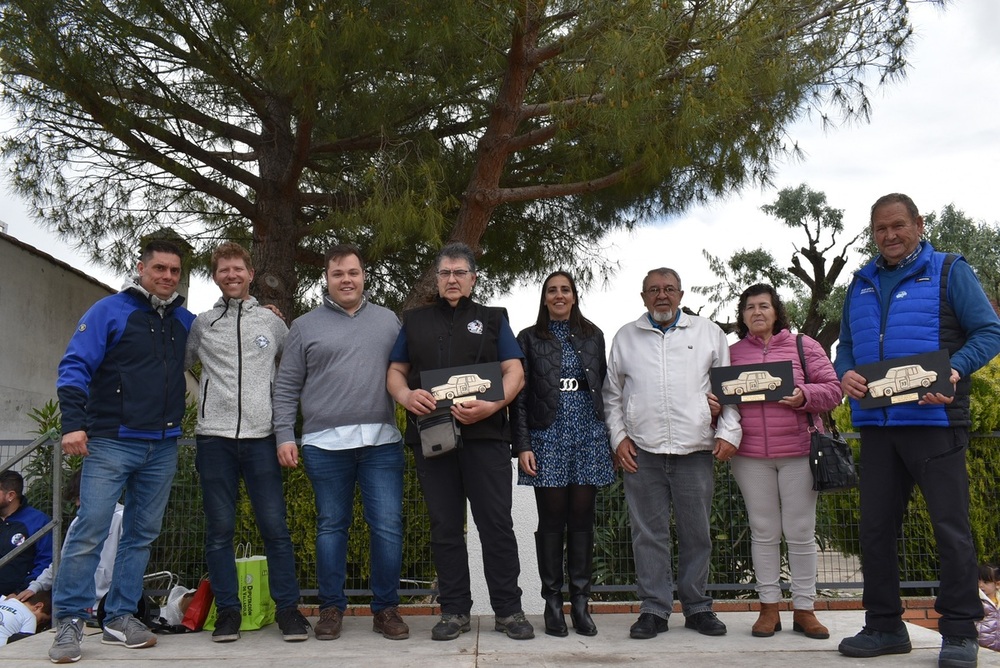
x: 481, y: 473
x: 893, y: 459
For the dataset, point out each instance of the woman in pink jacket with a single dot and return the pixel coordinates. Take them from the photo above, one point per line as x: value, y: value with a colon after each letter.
x: 772, y: 463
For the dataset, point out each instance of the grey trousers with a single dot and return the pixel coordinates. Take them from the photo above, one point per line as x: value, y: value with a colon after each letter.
x: 682, y: 485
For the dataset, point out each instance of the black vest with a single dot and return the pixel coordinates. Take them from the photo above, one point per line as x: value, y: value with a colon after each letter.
x: 439, y: 336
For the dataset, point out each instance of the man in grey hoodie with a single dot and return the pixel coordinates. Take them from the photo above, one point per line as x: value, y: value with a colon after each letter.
x: 238, y: 343
x: 334, y: 365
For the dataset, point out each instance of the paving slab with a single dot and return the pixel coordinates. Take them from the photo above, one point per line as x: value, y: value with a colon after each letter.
x: 483, y: 646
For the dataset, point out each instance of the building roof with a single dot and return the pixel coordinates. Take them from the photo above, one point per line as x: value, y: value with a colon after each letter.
x: 51, y: 260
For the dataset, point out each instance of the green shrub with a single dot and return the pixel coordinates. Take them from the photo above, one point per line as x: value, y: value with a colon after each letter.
x: 917, y: 547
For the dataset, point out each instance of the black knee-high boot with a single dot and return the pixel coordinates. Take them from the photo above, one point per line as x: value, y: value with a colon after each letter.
x: 550, y: 567
x: 580, y: 566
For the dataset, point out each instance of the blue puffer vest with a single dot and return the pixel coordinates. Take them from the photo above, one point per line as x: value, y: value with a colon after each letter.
x: 918, y: 319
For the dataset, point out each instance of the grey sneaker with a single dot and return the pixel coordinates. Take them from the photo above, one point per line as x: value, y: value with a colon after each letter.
x: 958, y: 652
x: 451, y: 626
x: 517, y: 627
x: 66, y: 648
x: 128, y: 631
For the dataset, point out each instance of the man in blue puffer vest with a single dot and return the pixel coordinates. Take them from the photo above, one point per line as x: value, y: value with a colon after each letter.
x: 911, y: 299
x: 121, y: 391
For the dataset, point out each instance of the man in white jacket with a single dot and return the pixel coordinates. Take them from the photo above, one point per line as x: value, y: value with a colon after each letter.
x: 664, y: 438
x: 238, y: 343
x: 105, y: 568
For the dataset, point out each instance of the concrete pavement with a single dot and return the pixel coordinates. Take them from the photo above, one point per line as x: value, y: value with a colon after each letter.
x: 483, y: 646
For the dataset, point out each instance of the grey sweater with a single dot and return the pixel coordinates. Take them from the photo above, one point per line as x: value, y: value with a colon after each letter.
x: 334, y: 364
x: 238, y: 343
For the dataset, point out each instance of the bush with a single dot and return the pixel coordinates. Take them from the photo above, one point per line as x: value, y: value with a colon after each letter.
x: 917, y: 547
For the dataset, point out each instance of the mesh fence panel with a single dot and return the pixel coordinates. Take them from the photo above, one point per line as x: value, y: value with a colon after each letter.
x: 179, y: 549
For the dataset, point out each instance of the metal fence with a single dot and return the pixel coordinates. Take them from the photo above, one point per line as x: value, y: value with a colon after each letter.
x: 179, y: 548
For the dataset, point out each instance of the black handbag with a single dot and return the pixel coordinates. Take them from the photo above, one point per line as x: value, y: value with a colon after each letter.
x: 831, y: 459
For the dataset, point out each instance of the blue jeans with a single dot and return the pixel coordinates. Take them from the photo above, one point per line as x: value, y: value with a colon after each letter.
x: 220, y: 463
x: 145, y: 471
x: 378, y: 471
x: 682, y: 484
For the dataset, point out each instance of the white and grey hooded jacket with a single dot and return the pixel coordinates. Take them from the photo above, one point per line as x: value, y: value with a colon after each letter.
x: 238, y: 343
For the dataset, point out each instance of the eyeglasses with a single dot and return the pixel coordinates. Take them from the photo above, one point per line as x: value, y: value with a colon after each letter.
x: 457, y: 273
x: 669, y: 291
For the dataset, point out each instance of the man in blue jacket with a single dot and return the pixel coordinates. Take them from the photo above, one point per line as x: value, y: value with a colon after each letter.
x: 911, y: 299
x: 121, y: 391
x: 19, y: 521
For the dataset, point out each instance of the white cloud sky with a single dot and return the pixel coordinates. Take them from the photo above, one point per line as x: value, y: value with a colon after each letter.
x: 935, y: 135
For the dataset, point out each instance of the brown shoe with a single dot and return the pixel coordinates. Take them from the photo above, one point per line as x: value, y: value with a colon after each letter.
x: 768, y: 622
x: 390, y: 624
x: 330, y: 622
x: 804, y: 621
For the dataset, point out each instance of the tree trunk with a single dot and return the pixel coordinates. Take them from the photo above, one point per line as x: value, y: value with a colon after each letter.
x: 482, y: 195
x: 275, y: 227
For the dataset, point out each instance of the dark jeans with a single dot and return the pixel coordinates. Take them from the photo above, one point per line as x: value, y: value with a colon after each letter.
x: 481, y: 473
x: 892, y: 460
x: 220, y: 463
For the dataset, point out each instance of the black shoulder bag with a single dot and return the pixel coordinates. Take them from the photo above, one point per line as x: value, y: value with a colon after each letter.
x: 830, y: 457
x: 440, y: 433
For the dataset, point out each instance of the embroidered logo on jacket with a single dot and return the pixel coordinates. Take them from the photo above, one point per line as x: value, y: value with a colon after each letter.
x: 262, y: 342
x: 476, y: 327
x: 17, y: 539
x: 865, y: 291
x: 901, y: 294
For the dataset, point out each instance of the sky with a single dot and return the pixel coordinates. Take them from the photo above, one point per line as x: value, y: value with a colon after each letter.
x: 934, y: 135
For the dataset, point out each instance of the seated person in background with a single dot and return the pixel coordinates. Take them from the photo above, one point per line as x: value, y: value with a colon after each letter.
x: 18, y: 619
x: 989, y: 627
x: 106, y: 567
x: 18, y: 522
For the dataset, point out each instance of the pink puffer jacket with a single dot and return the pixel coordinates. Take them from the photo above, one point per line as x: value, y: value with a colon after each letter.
x: 771, y: 429
x: 989, y: 628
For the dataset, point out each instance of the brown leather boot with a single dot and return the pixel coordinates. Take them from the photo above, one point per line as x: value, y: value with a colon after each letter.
x: 768, y: 622
x: 804, y: 621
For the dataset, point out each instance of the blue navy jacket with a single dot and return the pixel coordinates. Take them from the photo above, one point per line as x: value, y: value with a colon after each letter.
x: 123, y: 372
x: 938, y: 304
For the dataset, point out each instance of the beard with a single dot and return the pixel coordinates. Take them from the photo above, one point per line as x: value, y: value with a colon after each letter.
x: 663, y: 316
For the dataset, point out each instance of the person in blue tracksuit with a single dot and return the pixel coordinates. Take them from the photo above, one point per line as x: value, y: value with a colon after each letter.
x: 121, y: 391
x: 911, y: 299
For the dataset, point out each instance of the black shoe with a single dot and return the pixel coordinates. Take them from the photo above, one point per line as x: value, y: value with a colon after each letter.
x: 647, y: 627
x: 517, y: 627
x: 958, y: 652
x: 869, y: 643
x: 705, y: 623
x: 293, y: 625
x: 450, y: 627
x: 227, y: 625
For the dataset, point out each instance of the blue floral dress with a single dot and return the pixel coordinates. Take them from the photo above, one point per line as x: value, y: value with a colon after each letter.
x: 574, y: 449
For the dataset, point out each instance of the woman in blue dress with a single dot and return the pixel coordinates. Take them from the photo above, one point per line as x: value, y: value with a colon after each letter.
x: 562, y: 445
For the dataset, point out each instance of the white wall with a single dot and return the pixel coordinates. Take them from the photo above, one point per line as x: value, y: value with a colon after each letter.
x: 41, y: 300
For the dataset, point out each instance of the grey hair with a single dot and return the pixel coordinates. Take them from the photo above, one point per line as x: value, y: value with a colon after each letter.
x: 456, y: 250
x: 662, y: 271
